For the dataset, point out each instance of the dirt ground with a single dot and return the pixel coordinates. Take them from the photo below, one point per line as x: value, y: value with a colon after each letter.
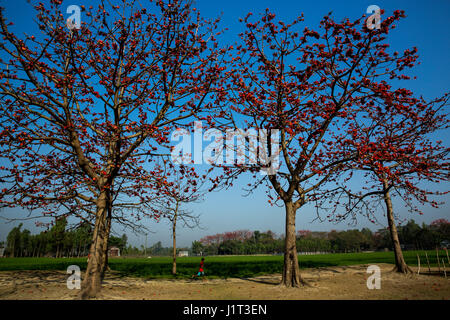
x: 324, y: 283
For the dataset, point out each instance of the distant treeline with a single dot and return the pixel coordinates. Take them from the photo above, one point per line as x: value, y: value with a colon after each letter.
x: 56, y: 242
x: 156, y: 249
x: 59, y: 241
x: 412, y: 236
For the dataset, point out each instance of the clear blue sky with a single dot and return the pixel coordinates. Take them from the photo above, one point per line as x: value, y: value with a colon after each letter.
x: 425, y: 27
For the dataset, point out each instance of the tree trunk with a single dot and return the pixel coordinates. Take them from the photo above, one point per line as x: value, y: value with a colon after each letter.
x: 291, y: 271
x: 105, y: 266
x: 400, y: 264
x: 92, y: 280
x: 174, y: 238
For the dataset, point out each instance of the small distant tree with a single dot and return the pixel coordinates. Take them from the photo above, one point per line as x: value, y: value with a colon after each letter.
x: 13, y: 241
x: 156, y: 249
x: 24, y: 248
x: 442, y: 228
x: 180, y: 187
x: 124, y: 241
x: 117, y: 242
x: 197, y: 247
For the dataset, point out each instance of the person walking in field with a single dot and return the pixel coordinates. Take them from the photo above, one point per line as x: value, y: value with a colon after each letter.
x: 201, y: 271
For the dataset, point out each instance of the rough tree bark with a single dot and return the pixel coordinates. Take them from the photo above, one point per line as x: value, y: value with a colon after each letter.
x: 105, y: 266
x: 291, y: 272
x: 400, y: 264
x: 92, y: 280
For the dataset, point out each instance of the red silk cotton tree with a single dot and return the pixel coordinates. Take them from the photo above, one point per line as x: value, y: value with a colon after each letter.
x: 84, y: 110
x: 179, y: 186
x: 396, y: 157
x: 310, y: 85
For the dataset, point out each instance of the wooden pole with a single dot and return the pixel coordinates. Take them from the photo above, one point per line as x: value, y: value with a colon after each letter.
x: 443, y: 264
x: 418, y: 263
x: 428, y: 262
x: 439, y: 264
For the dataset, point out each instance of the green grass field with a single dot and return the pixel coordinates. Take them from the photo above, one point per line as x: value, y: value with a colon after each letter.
x: 218, y: 266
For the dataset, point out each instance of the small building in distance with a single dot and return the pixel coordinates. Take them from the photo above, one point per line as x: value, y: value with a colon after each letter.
x: 183, y: 253
x: 444, y: 244
x: 2, y: 251
x: 114, y: 252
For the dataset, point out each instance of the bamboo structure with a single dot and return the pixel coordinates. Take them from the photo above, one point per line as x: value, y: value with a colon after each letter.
x: 437, y: 256
x: 418, y: 263
x: 428, y: 262
x: 443, y: 265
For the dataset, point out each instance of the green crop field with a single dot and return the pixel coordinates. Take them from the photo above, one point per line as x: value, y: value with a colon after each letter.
x: 218, y: 266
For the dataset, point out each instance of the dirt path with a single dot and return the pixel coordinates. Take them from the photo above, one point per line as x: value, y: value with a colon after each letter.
x: 325, y: 283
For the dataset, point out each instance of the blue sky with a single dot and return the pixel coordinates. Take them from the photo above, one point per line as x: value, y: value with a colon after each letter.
x: 426, y: 27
